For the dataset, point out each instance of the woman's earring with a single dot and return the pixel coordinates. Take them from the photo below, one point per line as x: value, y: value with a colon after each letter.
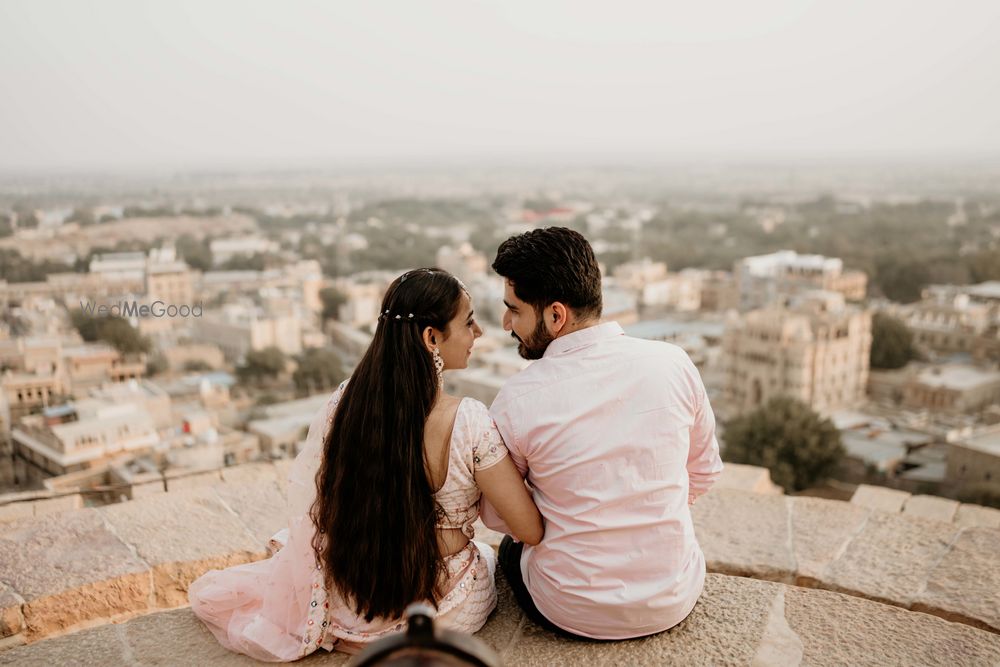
x: 439, y: 367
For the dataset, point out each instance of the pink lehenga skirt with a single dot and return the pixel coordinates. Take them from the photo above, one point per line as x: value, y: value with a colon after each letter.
x: 278, y: 609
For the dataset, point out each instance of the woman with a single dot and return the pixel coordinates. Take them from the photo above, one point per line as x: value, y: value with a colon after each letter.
x: 382, y: 498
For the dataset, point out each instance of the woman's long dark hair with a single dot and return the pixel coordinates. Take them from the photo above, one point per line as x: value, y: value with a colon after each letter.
x: 375, y: 513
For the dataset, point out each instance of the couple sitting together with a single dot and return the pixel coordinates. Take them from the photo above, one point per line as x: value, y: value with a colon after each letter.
x: 588, y: 460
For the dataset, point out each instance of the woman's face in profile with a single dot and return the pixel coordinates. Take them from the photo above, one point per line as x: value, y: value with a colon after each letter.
x: 463, y: 330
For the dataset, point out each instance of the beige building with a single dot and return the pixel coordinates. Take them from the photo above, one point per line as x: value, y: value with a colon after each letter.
x: 816, y: 350
x: 766, y: 279
x: 957, y: 388
x: 82, y: 435
x: 975, y: 462
x: 953, y: 319
x: 91, y: 365
x: 239, y: 328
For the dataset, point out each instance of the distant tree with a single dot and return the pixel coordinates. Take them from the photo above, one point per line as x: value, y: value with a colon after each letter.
x: 157, y: 364
x: 255, y: 262
x: 332, y: 299
x: 318, y: 369
x: 15, y: 268
x: 197, y: 254
x: 892, y: 342
x: 788, y: 438
x: 194, y: 365
x: 902, y: 281
x: 82, y: 215
x: 111, y: 329
x: 985, y: 265
x: 260, y: 365
x: 6, y: 227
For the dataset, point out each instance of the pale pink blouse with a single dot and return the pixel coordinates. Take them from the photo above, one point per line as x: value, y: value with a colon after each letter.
x: 278, y: 609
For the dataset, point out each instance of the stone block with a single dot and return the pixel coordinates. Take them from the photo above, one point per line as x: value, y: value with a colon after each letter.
x: 181, y: 535
x: 177, y: 637
x: 11, y: 618
x: 70, y: 569
x: 14, y: 511
x: 976, y: 515
x: 821, y: 531
x: 247, y: 473
x: 965, y: 585
x: 258, y: 504
x: 880, y: 498
x: 95, y: 646
x: 743, y: 477
x: 840, y: 630
x: 183, y: 481
x: 891, y: 558
x: 500, y: 630
x: 745, y: 534
x: 147, y: 489
x: 931, y: 507
x: 724, y: 628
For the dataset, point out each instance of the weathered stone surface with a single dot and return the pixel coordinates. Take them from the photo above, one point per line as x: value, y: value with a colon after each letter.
x: 746, y: 478
x: 965, y: 584
x: 177, y: 638
x: 821, y: 531
x: 70, y: 569
x: 258, y: 504
x: 745, y: 534
x: 181, y: 535
x: 501, y: 628
x: 976, y: 515
x: 891, y: 558
x: 14, y: 511
x: 724, y: 629
x: 96, y: 646
x: 880, y: 498
x: 147, y: 489
x: 282, y: 467
x: 779, y: 645
x: 840, y: 630
x: 24, y: 509
x: 185, y: 481
x: 11, y: 618
x: 737, y: 621
x: 250, y: 473
x: 931, y: 507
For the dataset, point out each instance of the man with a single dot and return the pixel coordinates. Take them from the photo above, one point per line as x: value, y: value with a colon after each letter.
x: 615, y: 437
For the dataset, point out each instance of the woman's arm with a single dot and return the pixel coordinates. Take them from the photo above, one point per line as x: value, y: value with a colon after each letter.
x: 504, y: 489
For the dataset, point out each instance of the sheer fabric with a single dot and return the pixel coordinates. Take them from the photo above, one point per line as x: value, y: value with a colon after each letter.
x: 278, y: 609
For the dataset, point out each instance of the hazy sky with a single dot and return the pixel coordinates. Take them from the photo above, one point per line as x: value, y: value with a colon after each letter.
x: 117, y: 83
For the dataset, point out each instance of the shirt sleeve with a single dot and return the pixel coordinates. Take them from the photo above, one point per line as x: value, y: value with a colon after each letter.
x: 704, y: 465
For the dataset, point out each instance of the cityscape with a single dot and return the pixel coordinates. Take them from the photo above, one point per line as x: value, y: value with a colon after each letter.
x: 152, y: 335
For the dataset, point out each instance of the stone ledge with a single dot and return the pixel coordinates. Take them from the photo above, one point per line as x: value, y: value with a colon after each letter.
x: 909, y: 562
x: 140, y: 556
x: 737, y: 621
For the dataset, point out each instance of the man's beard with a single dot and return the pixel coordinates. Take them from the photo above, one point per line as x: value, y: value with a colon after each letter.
x: 536, y: 344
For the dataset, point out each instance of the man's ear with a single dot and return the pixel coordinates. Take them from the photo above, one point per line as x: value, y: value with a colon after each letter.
x: 431, y: 337
x: 557, y: 316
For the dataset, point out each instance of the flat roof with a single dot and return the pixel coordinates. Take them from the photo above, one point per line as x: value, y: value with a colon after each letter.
x: 955, y: 376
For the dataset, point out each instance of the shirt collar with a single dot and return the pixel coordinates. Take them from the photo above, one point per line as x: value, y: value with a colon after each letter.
x: 583, y: 338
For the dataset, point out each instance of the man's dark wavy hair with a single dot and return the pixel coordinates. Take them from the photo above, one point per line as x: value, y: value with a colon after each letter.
x: 552, y: 264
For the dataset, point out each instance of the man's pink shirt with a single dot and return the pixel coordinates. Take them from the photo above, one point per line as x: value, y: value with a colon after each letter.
x: 613, y: 434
